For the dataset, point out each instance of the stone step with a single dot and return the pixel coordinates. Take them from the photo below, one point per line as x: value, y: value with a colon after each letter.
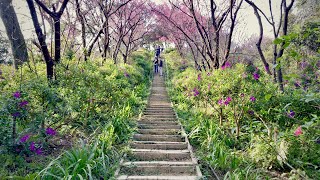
x: 163, y: 170
x: 160, y: 106
x: 159, y: 155
x: 159, y: 145
x: 159, y: 109
x: 154, y: 126
x: 148, y: 137
x: 158, y: 163
x: 159, y: 131
x: 159, y: 113
x: 162, y: 122
x: 125, y: 177
x: 159, y: 149
x: 158, y: 118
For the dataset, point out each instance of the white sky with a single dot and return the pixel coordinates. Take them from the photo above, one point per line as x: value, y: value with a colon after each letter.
x: 247, y: 26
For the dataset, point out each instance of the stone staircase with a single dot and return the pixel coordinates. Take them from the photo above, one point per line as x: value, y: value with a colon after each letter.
x: 159, y: 149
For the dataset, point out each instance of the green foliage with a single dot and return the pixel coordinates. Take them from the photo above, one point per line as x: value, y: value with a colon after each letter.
x: 243, y: 125
x: 93, y: 102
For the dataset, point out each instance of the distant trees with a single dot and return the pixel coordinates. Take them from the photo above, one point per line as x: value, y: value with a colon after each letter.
x: 201, y: 26
x: 15, y: 36
x: 130, y: 25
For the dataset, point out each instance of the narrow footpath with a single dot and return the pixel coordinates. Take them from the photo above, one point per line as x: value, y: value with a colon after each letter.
x: 159, y: 149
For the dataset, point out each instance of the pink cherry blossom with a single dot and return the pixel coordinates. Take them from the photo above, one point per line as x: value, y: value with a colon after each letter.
x: 298, y: 131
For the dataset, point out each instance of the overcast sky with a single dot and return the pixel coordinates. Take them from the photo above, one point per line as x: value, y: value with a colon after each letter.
x: 247, y: 27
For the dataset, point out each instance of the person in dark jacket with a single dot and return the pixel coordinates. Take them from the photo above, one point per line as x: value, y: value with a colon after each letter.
x: 160, y: 66
x: 158, y: 51
x: 156, y: 63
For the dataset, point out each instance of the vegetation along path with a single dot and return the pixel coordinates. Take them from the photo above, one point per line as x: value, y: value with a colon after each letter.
x: 160, y: 149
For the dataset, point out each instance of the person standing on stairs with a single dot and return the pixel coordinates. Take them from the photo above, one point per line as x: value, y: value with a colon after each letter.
x: 160, y: 66
x: 158, y: 51
x: 156, y: 63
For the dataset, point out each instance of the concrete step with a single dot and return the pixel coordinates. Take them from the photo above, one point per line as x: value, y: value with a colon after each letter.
x: 159, y: 151
x: 158, y: 163
x: 125, y: 177
x: 160, y: 106
x: 162, y: 122
x: 159, y: 110
x: 159, y: 131
x: 155, y: 126
x: 158, y: 118
x: 163, y: 170
x: 157, y: 113
x: 148, y: 137
x: 159, y: 155
x: 159, y: 145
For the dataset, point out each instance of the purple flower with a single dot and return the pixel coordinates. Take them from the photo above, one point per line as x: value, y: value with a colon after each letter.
x: 226, y: 65
x: 199, y: 77
x: 39, y: 151
x: 24, y: 138
x: 51, y: 131
x: 291, y: 114
x: 228, y: 100
x: 208, y: 74
x: 297, y: 84
x: 32, y: 146
x: 195, y: 92
x: 126, y: 74
x: 17, y: 94
x: 241, y: 95
x: 256, y: 76
x: 252, y: 99
x: 220, y: 102
x: 16, y: 114
x: 23, y: 103
x: 266, y: 67
x: 250, y: 112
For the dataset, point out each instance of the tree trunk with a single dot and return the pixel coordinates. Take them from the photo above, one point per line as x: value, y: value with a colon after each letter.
x: 15, y: 36
x: 217, y: 41
x: 258, y: 45
x: 57, y: 40
x: 41, y: 38
x: 83, y: 29
x: 286, y: 10
x: 275, y: 49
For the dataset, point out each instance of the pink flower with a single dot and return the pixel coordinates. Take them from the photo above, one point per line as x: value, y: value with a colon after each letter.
x: 298, y: 131
x: 226, y: 65
x: 228, y: 100
x: 252, y: 99
x: 220, y: 102
x: 199, y: 77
